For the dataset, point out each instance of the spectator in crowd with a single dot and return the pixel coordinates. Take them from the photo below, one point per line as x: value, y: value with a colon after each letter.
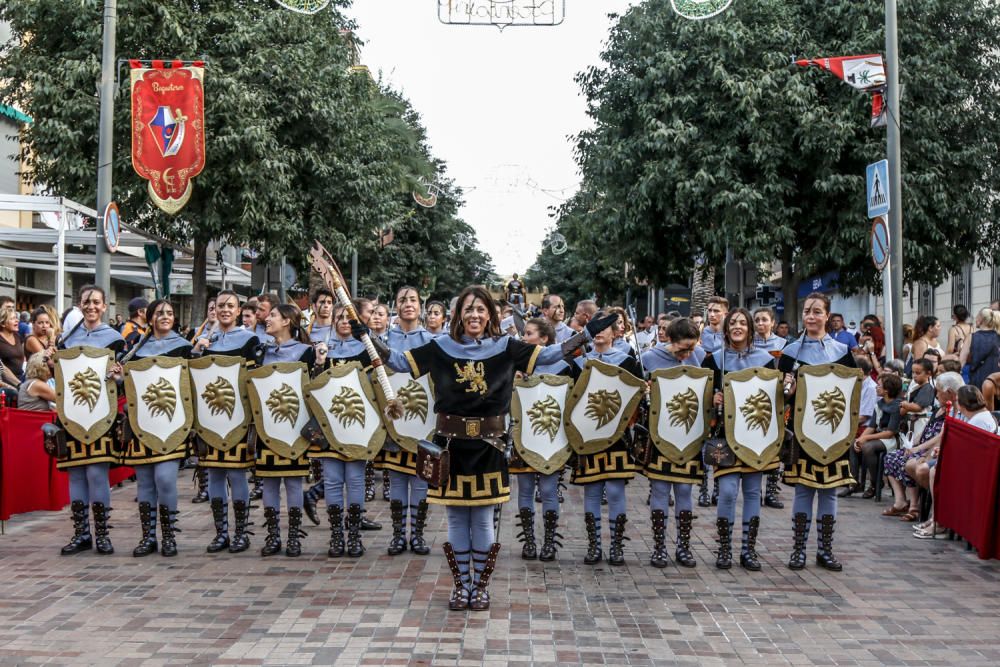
x: 42, y: 333
x: 839, y: 333
x: 990, y: 391
x: 933, y: 356
x: 960, y: 329
x: 895, y: 367
x: 866, y: 409
x: 35, y: 393
x: 907, y: 347
x: 882, y: 434
x: 118, y: 323
x: 972, y: 409
x: 871, y: 330
x: 24, y: 325
x: 949, y: 366
x: 926, y: 330
x: 11, y: 346
x: 916, y: 407
x: 981, y: 351
x: 136, y: 326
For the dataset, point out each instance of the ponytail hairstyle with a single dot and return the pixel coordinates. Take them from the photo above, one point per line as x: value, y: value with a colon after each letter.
x: 291, y: 312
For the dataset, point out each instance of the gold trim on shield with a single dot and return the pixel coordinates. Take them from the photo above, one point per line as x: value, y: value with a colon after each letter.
x: 557, y: 460
x: 658, y: 402
x: 777, y: 410
x: 579, y: 391
x: 95, y: 432
x: 354, y: 452
x: 852, y: 411
x: 183, y: 402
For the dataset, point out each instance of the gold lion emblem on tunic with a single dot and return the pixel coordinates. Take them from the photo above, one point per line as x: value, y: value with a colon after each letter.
x: 348, y: 407
x: 683, y: 409
x: 830, y: 407
x: 545, y: 416
x: 85, y: 386
x: 220, y: 396
x: 283, y: 403
x: 757, y: 411
x: 415, y: 401
x: 474, y: 375
x: 161, y: 398
x: 602, y: 406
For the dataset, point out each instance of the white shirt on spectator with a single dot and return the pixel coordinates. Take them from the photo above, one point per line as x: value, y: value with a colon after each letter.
x: 869, y: 398
x: 983, y: 420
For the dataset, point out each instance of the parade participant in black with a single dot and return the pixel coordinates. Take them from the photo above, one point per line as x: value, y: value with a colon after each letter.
x: 809, y: 477
x: 88, y: 465
x: 764, y: 339
x: 156, y: 474
x: 664, y: 476
x: 227, y: 470
x: 609, y: 469
x: 737, y: 354
x: 538, y: 331
x: 473, y: 373
x: 515, y: 292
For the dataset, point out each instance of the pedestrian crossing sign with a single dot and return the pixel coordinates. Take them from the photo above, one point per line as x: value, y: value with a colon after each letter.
x: 877, y: 188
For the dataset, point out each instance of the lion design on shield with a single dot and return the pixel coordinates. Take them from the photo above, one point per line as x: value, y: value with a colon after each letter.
x: 757, y: 410
x: 348, y: 407
x: 830, y: 407
x: 86, y: 388
x: 220, y: 396
x: 545, y: 417
x: 602, y: 406
x: 683, y: 409
x: 283, y: 403
x: 161, y: 398
x: 414, y: 400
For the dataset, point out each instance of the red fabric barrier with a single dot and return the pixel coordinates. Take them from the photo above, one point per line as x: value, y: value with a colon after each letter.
x: 967, y: 486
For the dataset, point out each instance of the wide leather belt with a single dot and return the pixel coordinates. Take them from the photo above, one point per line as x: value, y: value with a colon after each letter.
x: 471, y: 428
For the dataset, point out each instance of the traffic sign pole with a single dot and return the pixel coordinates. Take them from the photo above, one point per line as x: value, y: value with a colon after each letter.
x: 895, y: 323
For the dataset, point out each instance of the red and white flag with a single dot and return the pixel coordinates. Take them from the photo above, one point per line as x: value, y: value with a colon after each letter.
x: 861, y: 72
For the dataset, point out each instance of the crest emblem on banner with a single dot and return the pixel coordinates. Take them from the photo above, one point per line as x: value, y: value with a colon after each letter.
x: 418, y: 421
x: 827, y: 402
x: 277, y: 397
x: 537, y: 408
x: 219, y: 388
x: 168, y: 129
x: 158, y: 390
x: 86, y: 401
x: 755, y: 411
x: 600, y: 406
x: 680, y: 407
x: 343, y: 401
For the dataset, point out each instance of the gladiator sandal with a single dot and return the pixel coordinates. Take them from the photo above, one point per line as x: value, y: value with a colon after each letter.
x: 355, y: 549
x: 102, y: 541
x: 551, y: 540
x: 293, y: 547
x: 315, y: 471
x: 241, y: 519
x: 659, y: 557
x: 824, y: 552
x: 527, y: 535
x: 82, y: 540
x: 772, y: 490
x: 724, y: 560
x: 479, y: 599
x: 749, y: 560
x: 369, y: 482
x: 272, y: 543
x: 168, y: 521
x: 219, y: 515
x: 309, y: 500
x: 335, y: 513
x: 147, y: 519
x: 459, y: 600
x: 201, y: 478
x: 418, y: 544
x: 398, y: 543
x: 800, y: 529
x: 703, y: 500
x: 385, y: 485
x: 683, y: 554
x: 594, y: 553
x: 616, y: 552
x: 561, y: 485
x: 368, y: 524
x: 715, y: 490
x: 257, y: 492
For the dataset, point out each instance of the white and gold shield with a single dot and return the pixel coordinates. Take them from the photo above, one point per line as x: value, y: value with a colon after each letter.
x: 418, y: 421
x: 278, y: 399
x: 680, y: 409
x: 87, y: 402
x: 158, y: 391
x: 827, y: 402
x: 221, y: 412
x: 754, y: 415
x: 343, y: 402
x: 537, y: 408
x: 602, y: 402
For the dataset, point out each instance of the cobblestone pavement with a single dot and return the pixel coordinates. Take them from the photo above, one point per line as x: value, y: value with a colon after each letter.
x: 899, y: 600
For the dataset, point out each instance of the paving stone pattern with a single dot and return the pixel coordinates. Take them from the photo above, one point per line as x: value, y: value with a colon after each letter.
x: 899, y: 601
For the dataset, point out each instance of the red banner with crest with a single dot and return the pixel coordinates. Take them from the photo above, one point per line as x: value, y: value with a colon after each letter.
x: 168, y: 128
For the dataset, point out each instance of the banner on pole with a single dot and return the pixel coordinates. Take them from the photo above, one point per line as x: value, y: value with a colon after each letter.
x: 861, y: 72
x: 168, y: 128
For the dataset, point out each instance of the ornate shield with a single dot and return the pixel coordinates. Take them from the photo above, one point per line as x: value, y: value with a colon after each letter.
x: 343, y: 402
x: 418, y: 421
x: 277, y: 397
x: 87, y: 402
x: 600, y: 406
x: 219, y: 387
x: 158, y: 390
x: 680, y: 410
x: 754, y: 414
x: 537, y: 407
x: 827, y: 402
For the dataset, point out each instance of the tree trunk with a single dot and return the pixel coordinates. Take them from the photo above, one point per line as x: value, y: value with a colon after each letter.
x: 702, y: 287
x: 199, y: 274
x: 790, y: 289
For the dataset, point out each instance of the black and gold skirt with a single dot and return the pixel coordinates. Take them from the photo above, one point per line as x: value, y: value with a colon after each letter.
x: 745, y: 469
x: 615, y: 462
x: 102, y: 450
x: 271, y: 464
x: 808, y: 472
x: 478, y: 475
x: 662, y: 469
x: 237, y: 458
x: 138, y: 454
x: 398, y: 460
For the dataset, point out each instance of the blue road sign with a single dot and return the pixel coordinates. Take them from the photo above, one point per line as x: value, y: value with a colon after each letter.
x: 877, y: 188
x: 880, y: 243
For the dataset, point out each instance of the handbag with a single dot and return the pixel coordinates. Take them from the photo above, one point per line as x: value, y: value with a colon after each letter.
x: 788, y: 454
x: 433, y: 464
x: 642, y: 446
x: 314, y: 435
x: 54, y: 441
x: 716, y: 452
x: 121, y: 433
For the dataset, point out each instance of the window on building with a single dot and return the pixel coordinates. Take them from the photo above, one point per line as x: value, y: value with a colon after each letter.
x: 925, y: 299
x: 961, y: 287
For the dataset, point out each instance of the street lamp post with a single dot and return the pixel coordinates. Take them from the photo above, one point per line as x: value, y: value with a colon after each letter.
x: 895, y: 181
x: 102, y: 268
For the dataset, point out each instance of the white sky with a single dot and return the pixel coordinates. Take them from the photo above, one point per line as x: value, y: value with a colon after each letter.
x: 498, y: 107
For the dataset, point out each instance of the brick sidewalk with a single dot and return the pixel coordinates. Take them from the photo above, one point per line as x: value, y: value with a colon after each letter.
x: 899, y: 600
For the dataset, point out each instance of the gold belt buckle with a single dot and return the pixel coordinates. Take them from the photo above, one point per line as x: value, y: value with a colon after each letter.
x: 472, y: 428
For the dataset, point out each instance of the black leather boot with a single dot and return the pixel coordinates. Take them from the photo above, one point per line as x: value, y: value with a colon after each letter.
x: 257, y: 487
x: 659, y: 557
x: 683, y: 554
x: 616, y: 551
x: 479, y: 599
x: 309, y: 501
x: 715, y: 490
x: 724, y: 559
x: 561, y: 485
x: 355, y: 549
x: 147, y: 520
x: 241, y: 519
x: 368, y: 524
x: 594, y: 553
x: 771, y: 491
x: 102, y: 540
x: 418, y: 544
x: 527, y: 535
x: 800, y: 531
x: 397, y: 544
x: 272, y: 543
x: 703, y: 500
x: 168, y: 527
x: 336, y: 516
x: 219, y: 512
x: 369, y: 482
x: 459, y: 600
x: 749, y: 560
x: 385, y: 485
x: 824, y: 551
x: 293, y: 547
x: 82, y: 540
x: 201, y: 479
x: 551, y: 540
